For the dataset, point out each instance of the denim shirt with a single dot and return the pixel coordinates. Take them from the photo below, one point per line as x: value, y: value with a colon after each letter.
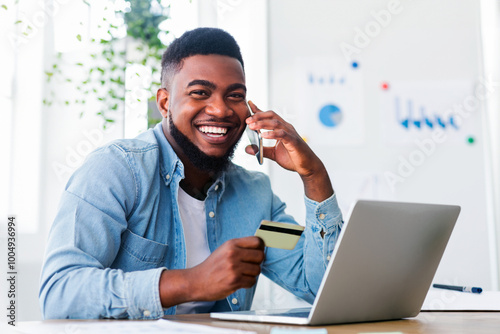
x: 118, y: 227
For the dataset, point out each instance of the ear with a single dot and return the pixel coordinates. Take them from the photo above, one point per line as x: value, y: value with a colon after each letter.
x: 162, y: 100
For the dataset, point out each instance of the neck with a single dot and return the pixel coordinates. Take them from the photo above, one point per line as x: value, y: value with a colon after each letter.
x: 200, y: 193
x: 194, y: 177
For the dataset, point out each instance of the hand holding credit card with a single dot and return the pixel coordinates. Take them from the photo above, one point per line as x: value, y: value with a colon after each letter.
x: 279, y: 235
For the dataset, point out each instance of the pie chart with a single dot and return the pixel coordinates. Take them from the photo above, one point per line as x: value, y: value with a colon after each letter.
x: 330, y: 115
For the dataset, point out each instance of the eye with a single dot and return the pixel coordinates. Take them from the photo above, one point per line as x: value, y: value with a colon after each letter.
x: 199, y: 93
x: 236, y: 96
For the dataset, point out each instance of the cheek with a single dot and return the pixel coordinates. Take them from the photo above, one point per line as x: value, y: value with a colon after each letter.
x: 183, y: 115
x: 241, y: 111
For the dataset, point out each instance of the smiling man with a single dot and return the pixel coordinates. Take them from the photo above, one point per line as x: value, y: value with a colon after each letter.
x: 164, y: 223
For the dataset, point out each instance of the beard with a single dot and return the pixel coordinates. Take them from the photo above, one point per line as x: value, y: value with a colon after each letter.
x: 204, y: 162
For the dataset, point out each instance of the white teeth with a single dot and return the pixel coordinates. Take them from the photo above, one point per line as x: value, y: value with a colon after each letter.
x: 213, y: 130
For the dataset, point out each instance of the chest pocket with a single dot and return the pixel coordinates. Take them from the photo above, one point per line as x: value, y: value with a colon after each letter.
x: 138, y: 253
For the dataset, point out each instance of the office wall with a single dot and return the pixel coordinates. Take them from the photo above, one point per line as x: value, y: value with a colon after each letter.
x: 490, y: 29
x: 426, y: 41
x: 426, y: 49
x: 66, y: 138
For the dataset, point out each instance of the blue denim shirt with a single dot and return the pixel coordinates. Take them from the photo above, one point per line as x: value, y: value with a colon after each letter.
x: 118, y: 227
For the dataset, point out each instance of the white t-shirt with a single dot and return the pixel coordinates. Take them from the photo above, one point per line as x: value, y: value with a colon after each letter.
x: 192, y: 213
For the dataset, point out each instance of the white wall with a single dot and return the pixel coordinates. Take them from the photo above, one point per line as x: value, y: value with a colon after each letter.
x: 490, y: 29
x: 63, y: 138
x: 425, y: 41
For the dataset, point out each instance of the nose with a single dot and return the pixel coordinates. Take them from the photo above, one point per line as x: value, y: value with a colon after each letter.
x: 218, y: 108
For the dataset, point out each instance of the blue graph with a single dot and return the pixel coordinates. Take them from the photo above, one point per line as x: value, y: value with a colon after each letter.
x: 420, y: 118
x: 330, y: 115
x: 326, y: 79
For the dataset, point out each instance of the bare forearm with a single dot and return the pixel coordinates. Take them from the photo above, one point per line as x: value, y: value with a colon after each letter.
x: 174, y: 287
x: 318, y: 186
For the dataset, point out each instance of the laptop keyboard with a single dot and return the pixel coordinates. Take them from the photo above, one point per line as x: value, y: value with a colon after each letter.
x: 291, y: 314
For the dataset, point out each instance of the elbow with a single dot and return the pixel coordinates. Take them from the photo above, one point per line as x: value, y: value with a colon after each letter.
x: 55, y: 300
x: 51, y: 307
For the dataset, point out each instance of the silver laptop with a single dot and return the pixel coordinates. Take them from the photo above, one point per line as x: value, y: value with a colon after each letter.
x: 381, y: 269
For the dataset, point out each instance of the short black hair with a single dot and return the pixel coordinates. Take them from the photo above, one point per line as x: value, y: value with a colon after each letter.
x: 199, y: 41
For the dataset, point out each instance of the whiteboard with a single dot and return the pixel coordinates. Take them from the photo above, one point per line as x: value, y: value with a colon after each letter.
x: 421, y: 61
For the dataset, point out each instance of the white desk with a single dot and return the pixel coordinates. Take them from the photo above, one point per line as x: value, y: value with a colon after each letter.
x: 424, y: 323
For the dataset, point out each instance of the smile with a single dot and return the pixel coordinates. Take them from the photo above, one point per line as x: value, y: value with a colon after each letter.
x: 213, y: 131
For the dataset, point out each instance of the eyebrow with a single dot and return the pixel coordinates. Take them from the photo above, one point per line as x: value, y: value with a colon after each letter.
x: 237, y: 86
x: 205, y: 83
x: 213, y: 86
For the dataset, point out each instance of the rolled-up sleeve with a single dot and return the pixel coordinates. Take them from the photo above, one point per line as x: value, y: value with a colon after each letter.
x: 325, y: 219
x: 301, y: 270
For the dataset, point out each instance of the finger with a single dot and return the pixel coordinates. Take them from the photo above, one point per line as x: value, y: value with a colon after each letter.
x: 249, y: 242
x: 267, y: 124
x: 255, y: 256
x: 254, y: 108
x: 269, y: 152
x: 265, y: 115
x: 275, y: 134
x: 247, y: 281
x: 249, y: 269
x: 251, y: 149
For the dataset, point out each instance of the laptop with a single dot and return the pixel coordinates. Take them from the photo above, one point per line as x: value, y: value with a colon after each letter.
x: 381, y: 268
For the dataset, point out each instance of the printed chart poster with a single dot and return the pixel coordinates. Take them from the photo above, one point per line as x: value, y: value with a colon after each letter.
x: 329, y: 101
x: 413, y: 110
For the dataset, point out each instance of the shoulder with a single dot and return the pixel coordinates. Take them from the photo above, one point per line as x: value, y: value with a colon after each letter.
x: 119, y: 159
x: 122, y: 151
x: 143, y: 143
x: 119, y: 169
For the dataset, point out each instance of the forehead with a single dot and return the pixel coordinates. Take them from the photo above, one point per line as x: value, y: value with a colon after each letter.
x: 222, y: 70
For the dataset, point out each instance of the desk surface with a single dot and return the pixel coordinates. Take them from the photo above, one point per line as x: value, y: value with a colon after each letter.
x: 424, y: 323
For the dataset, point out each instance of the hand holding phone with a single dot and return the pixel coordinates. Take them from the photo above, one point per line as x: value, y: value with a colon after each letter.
x: 255, y: 140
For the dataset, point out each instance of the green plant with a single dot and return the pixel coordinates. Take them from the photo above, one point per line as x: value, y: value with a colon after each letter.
x: 100, y: 75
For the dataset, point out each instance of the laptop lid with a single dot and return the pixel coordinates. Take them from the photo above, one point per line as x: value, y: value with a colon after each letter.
x: 381, y: 268
x: 384, y: 263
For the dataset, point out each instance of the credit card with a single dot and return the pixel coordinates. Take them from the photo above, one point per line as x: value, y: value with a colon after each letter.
x: 279, y: 235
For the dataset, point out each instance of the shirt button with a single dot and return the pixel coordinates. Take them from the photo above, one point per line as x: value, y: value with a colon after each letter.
x: 146, y: 313
x: 216, y: 187
x: 234, y: 301
x: 328, y: 257
x: 211, y: 214
x: 167, y: 177
x: 322, y: 216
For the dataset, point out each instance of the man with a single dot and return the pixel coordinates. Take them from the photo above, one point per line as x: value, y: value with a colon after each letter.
x: 164, y: 223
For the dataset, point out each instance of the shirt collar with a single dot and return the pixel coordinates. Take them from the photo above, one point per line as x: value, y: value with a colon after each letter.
x: 169, y: 161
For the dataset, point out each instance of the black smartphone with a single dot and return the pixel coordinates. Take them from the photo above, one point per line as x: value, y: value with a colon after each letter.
x: 255, y: 140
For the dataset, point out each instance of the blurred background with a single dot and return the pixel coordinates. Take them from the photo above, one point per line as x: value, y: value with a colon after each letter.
x: 399, y: 98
